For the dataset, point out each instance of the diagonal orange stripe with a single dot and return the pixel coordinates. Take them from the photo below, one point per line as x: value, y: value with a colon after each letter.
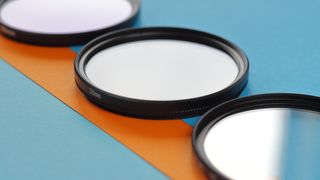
x: 164, y: 144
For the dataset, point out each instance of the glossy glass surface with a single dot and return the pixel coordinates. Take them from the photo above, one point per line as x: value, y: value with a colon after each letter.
x: 161, y: 70
x: 63, y: 16
x: 272, y: 143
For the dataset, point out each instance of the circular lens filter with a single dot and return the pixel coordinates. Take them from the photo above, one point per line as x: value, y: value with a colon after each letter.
x: 160, y: 73
x: 259, y: 137
x: 64, y: 22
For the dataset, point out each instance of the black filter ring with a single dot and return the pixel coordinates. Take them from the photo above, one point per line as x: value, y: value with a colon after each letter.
x: 65, y: 39
x: 276, y: 100
x: 159, y: 109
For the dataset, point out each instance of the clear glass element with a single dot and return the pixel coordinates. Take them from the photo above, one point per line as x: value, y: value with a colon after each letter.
x: 271, y: 143
x: 64, y: 16
x: 161, y: 70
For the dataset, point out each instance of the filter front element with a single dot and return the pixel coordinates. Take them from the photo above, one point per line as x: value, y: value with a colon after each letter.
x: 61, y: 22
x: 160, y: 72
x: 264, y: 136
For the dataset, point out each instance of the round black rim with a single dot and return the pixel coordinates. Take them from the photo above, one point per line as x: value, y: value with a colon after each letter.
x: 159, y: 109
x: 278, y: 100
x: 65, y: 39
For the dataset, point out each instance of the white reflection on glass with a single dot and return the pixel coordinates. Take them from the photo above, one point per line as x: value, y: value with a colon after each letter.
x: 273, y: 143
x: 64, y: 16
x: 162, y: 70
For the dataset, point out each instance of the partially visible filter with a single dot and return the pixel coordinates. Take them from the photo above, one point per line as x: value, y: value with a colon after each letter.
x: 61, y: 22
x: 266, y: 136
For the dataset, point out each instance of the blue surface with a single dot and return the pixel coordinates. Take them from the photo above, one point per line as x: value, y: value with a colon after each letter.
x: 76, y: 48
x: 192, y: 121
x: 42, y: 138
